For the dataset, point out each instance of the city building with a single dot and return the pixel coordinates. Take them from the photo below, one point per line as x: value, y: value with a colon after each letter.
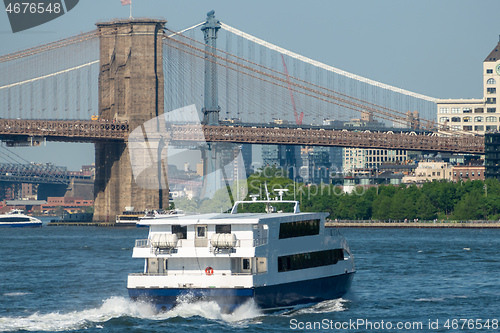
x: 429, y: 171
x: 287, y: 157
x: 468, y: 172
x: 271, y: 155
x: 476, y: 115
x: 396, y: 168
x: 28, y: 191
x: 316, y: 165
x: 246, y: 151
x: 69, y: 204
x: 355, y: 158
x: 336, y: 159
x: 25, y: 205
x: 492, y: 155
x: 350, y: 183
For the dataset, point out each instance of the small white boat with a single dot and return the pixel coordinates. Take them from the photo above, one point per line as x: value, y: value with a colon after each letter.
x: 16, y: 218
x: 160, y: 213
x: 280, y: 260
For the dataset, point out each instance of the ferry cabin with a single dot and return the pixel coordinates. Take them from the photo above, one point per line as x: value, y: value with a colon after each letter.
x: 279, y: 260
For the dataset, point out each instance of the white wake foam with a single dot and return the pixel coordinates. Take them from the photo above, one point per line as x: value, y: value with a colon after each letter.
x: 211, y: 310
x: 116, y: 307
x: 111, y: 308
x: 16, y: 294
x: 333, y: 305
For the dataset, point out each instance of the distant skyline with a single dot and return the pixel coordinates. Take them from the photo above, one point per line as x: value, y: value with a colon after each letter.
x: 435, y: 48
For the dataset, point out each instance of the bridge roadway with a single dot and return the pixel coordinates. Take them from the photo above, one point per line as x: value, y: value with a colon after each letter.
x: 324, y: 137
x: 33, y: 173
x: 62, y: 130
x: 98, y: 131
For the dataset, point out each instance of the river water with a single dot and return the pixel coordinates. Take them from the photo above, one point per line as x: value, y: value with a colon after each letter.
x: 74, y: 279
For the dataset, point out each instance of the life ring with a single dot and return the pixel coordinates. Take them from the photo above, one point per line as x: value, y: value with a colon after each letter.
x: 209, y: 270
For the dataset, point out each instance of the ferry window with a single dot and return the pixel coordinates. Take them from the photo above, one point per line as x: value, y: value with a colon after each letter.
x: 180, y: 231
x: 299, y: 229
x: 223, y: 228
x: 309, y: 260
x: 246, y: 263
x: 201, y: 231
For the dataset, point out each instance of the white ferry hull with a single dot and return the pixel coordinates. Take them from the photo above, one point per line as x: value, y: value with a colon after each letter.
x: 273, y: 297
x: 15, y: 219
x: 20, y: 224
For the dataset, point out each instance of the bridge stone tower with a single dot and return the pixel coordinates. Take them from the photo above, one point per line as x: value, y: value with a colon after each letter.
x: 130, y: 89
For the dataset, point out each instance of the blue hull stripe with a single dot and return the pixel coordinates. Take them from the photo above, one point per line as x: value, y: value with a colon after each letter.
x: 275, y: 296
x: 21, y: 225
x: 303, y: 292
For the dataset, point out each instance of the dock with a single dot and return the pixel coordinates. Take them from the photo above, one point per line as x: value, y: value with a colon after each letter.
x: 91, y: 224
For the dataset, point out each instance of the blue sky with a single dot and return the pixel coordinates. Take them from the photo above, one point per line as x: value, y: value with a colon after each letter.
x: 431, y: 47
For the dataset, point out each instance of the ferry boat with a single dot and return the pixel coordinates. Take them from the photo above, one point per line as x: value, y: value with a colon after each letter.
x: 280, y: 260
x: 16, y: 218
x: 129, y: 218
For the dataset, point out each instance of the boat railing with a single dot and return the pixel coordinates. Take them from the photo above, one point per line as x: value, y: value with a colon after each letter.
x: 251, y: 242
x: 248, y: 273
x: 197, y: 273
x: 142, y: 243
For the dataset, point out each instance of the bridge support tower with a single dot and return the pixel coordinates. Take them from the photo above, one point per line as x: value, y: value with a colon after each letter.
x: 130, y: 89
x: 214, y: 177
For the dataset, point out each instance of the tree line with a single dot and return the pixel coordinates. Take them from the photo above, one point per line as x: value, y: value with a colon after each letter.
x: 464, y: 200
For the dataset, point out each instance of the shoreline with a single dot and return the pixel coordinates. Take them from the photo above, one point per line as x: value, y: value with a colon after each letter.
x: 412, y: 224
x: 91, y: 224
x: 331, y: 224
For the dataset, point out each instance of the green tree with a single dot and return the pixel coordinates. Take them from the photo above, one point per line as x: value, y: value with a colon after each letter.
x: 447, y: 197
x: 425, y: 208
x: 397, y: 210
x: 469, y: 207
x: 381, y: 207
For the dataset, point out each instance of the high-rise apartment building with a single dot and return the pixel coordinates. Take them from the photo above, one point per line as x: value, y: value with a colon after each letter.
x: 476, y: 115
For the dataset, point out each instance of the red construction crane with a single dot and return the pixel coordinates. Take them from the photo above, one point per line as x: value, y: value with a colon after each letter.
x: 298, y: 119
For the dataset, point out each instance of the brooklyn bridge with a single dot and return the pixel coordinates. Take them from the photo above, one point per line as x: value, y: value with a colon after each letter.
x: 100, y: 85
